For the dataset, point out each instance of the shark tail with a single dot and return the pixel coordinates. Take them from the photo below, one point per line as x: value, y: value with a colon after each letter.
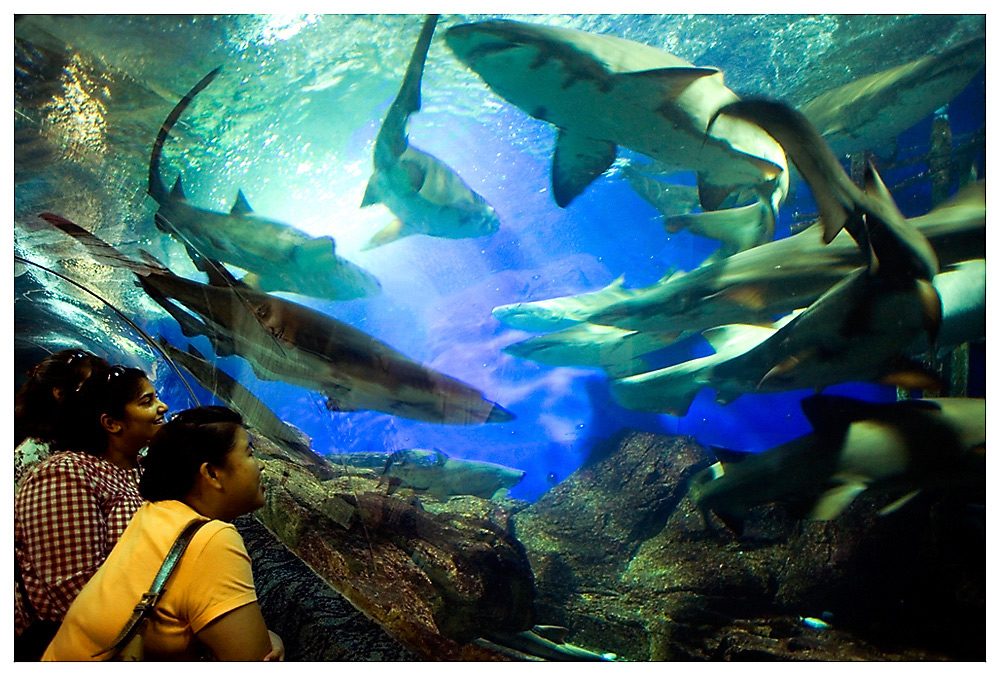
x: 157, y: 189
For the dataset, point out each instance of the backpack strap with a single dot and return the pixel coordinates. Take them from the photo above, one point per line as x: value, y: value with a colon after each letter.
x: 144, y: 608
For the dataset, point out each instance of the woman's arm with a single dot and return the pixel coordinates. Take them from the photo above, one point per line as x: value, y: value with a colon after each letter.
x: 238, y: 636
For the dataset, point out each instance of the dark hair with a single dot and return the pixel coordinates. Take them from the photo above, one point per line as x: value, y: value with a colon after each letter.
x: 37, y: 413
x: 105, y: 392
x: 179, y: 448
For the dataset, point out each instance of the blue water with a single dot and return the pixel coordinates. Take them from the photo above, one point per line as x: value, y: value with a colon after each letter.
x: 437, y: 294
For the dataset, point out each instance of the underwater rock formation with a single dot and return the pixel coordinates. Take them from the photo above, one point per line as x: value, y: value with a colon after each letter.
x: 621, y: 556
x: 434, y: 582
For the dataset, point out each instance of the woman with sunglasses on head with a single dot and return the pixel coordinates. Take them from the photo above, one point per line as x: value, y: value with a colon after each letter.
x: 39, y: 406
x: 199, y: 467
x: 71, y: 508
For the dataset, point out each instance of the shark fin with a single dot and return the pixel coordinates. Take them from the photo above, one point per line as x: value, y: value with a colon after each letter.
x: 389, y: 233
x: 711, y: 196
x: 723, y: 338
x: 727, y: 457
x: 629, y: 368
x: 551, y: 632
x: 576, y: 162
x: 416, y: 175
x: 664, y: 83
x: 241, y: 207
x: 372, y: 195
x: 315, y: 253
x: 836, y: 500
x: 896, y: 504
x: 177, y: 191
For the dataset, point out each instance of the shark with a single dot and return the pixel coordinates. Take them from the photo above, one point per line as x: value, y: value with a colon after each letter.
x: 553, y: 314
x: 285, y: 341
x: 769, y: 280
x: 862, y: 114
x: 618, y: 351
x: 900, y: 449
x: 432, y: 472
x: 426, y: 196
x: 275, y: 256
x: 602, y: 91
x: 670, y: 199
x: 256, y: 413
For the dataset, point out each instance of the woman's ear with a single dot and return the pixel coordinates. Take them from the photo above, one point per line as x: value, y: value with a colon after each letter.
x: 111, y: 425
x: 208, y: 473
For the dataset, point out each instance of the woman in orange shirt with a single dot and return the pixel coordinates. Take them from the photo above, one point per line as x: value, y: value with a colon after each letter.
x: 199, y: 466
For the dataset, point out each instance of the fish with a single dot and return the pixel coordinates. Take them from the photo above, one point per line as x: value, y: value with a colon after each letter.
x: 756, y: 285
x: 554, y: 314
x: 862, y: 114
x: 602, y: 92
x: 899, y: 448
x: 292, y: 343
x: 618, y: 351
x: 545, y: 642
x: 255, y: 412
x: 432, y: 472
x: 426, y: 196
x: 275, y: 256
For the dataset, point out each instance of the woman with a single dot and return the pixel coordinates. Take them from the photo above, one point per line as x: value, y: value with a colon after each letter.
x: 39, y: 411
x: 200, y: 466
x: 71, y: 508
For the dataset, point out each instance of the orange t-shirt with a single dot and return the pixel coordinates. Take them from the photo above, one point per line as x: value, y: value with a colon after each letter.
x: 212, y: 578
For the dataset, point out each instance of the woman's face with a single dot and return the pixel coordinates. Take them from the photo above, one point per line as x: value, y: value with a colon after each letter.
x: 240, y: 477
x: 143, y: 415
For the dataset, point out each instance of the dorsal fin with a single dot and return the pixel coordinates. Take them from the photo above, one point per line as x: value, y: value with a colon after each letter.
x: 728, y: 456
x: 178, y: 190
x: 241, y: 207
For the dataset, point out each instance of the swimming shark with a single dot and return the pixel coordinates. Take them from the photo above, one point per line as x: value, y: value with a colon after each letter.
x: 899, y: 448
x: 862, y: 114
x: 553, y: 314
x: 670, y: 199
x: 618, y: 351
x: 432, y: 472
x: 292, y: 343
x: 426, y: 195
x: 255, y: 413
x: 756, y: 285
x: 602, y: 92
x: 275, y: 256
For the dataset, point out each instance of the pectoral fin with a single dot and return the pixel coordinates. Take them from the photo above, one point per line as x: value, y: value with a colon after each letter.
x: 836, y: 500
x: 315, y: 254
x: 577, y: 161
x: 389, y: 233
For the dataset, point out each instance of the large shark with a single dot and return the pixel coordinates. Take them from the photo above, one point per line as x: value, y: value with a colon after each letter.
x: 426, y: 195
x: 295, y: 344
x: 602, y: 91
x: 777, y: 277
x: 862, y: 114
x: 276, y: 257
x: 255, y: 413
x: 898, y: 448
x: 432, y: 472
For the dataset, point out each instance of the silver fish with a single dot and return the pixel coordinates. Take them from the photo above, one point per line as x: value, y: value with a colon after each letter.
x: 426, y: 195
x: 432, y: 472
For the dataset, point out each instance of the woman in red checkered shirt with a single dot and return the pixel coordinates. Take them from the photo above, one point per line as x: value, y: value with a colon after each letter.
x: 39, y: 420
x: 71, y: 509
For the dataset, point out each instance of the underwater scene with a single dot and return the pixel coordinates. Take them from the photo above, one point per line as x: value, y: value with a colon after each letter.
x: 561, y: 337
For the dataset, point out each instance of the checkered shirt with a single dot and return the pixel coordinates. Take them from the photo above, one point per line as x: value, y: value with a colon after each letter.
x: 68, y: 513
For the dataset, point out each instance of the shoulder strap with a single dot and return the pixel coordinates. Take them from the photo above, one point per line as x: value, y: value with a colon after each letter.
x: 144, y: 608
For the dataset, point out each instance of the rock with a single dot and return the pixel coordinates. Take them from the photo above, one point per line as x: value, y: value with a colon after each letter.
x: 622, y: 557
x: 434, y: 582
